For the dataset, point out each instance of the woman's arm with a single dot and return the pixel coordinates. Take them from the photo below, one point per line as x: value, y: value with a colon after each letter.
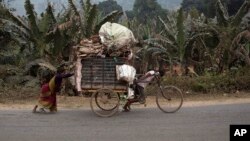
x: 65, y: 75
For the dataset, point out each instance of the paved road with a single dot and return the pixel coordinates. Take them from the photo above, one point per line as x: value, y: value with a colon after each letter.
x: 207, y: 123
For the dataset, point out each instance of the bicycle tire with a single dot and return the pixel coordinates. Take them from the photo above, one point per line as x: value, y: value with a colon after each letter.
x: 172, y: 96
x: 98, y: 102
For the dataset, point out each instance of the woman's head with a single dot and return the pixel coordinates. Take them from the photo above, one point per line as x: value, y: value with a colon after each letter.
x: 61, y: 69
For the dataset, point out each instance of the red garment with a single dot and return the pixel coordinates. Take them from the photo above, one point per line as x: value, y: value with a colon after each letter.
x: 45, y: 88
x: 47, y: 98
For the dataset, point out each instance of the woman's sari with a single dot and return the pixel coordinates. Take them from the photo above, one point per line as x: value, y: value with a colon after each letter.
x: 47, y: 98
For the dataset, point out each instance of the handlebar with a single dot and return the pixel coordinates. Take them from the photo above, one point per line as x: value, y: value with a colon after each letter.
x: 137, y: 78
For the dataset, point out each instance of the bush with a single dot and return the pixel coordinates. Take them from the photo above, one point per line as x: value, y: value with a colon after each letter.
x: 227, y: 82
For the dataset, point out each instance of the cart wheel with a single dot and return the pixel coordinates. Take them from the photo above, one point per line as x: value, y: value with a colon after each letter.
x: 105, y: 102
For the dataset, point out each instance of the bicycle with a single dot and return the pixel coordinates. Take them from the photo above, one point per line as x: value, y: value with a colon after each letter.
x: 169, y: 99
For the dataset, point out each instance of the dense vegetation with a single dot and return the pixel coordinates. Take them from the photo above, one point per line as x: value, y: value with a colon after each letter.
x: 203, y: 50
x: 208, y: 8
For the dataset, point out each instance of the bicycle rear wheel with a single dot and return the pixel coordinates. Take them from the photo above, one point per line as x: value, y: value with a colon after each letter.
x: 170, y: 99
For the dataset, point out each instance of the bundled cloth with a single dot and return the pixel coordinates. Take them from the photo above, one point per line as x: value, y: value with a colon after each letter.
x: 116, y: 37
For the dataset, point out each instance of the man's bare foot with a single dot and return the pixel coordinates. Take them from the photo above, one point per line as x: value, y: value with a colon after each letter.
x: 126, y: 108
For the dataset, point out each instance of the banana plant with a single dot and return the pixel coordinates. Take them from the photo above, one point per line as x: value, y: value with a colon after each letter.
x: 28, y: 28
x: 227, y: 27
x: 84, y: 21
x: 240, y: 47
x: 175, y: 40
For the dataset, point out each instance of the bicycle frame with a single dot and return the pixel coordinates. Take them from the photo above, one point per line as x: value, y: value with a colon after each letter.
x: 158, y: 82
x: 135, y: 84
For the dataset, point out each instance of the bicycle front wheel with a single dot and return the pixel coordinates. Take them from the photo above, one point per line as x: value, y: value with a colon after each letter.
x: 169, y: 99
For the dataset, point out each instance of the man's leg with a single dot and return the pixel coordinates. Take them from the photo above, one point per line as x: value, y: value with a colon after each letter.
x: 141, y: 97
x: 126, y: 107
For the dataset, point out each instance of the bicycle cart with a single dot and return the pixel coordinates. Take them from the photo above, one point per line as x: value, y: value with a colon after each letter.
x: 99, y: 78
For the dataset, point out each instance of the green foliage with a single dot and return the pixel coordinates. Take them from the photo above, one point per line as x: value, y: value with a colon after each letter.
x: 208, y: 6
x: 222, y: 14
x: 90, y: 21
x: 73, y: 8
x: 237, y: 19
x: 227, y: 82
x: 32, y: 18
x: 6, y: 14
x: 147, y: 10
x: 47, y: 20
x: 194, y: 13
x: 106, y: 7
x: 199, y: 87
x: 109, y: 17
x: 86, y: 22
x: 180, y: 33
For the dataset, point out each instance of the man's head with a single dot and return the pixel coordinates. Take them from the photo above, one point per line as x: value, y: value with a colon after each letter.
x: 156, y: 68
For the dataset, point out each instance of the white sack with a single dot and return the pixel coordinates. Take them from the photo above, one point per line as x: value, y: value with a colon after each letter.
x: 116, y: 35
x: 126, y: 73
x: 130, y: 93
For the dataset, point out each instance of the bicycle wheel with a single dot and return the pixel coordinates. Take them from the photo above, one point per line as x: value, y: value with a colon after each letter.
x: 104, y: 102
x: 170, y: 99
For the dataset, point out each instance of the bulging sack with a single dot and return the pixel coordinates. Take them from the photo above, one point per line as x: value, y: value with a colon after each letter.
x: 116, y: 36
x: 125, y: 73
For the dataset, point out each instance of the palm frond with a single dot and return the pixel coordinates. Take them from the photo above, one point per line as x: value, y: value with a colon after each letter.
x: 163, y: 41
x: 8, y: 15
x: 13, y: 33
x: 222, y: 14
x: 151, y: 50
x: 73, y: 8
x: 244, y: 9
x: 168, y: 32
x: 87, y: 6
x: 12, y: 28
x: 82, y: 4
x: 32, y: 18
x: 180, y: 28
x: 154, y: 45
x: 90, y: 20
x: 107, y: 18
x: 49, y: 12
x: 58, y: 42
x: 189, y: 43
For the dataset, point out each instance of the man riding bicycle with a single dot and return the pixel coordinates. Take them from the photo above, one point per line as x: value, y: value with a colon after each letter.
x: 139, y: 86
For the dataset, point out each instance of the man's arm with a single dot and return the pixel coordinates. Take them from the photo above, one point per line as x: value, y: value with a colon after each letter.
x: 148, y: 74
